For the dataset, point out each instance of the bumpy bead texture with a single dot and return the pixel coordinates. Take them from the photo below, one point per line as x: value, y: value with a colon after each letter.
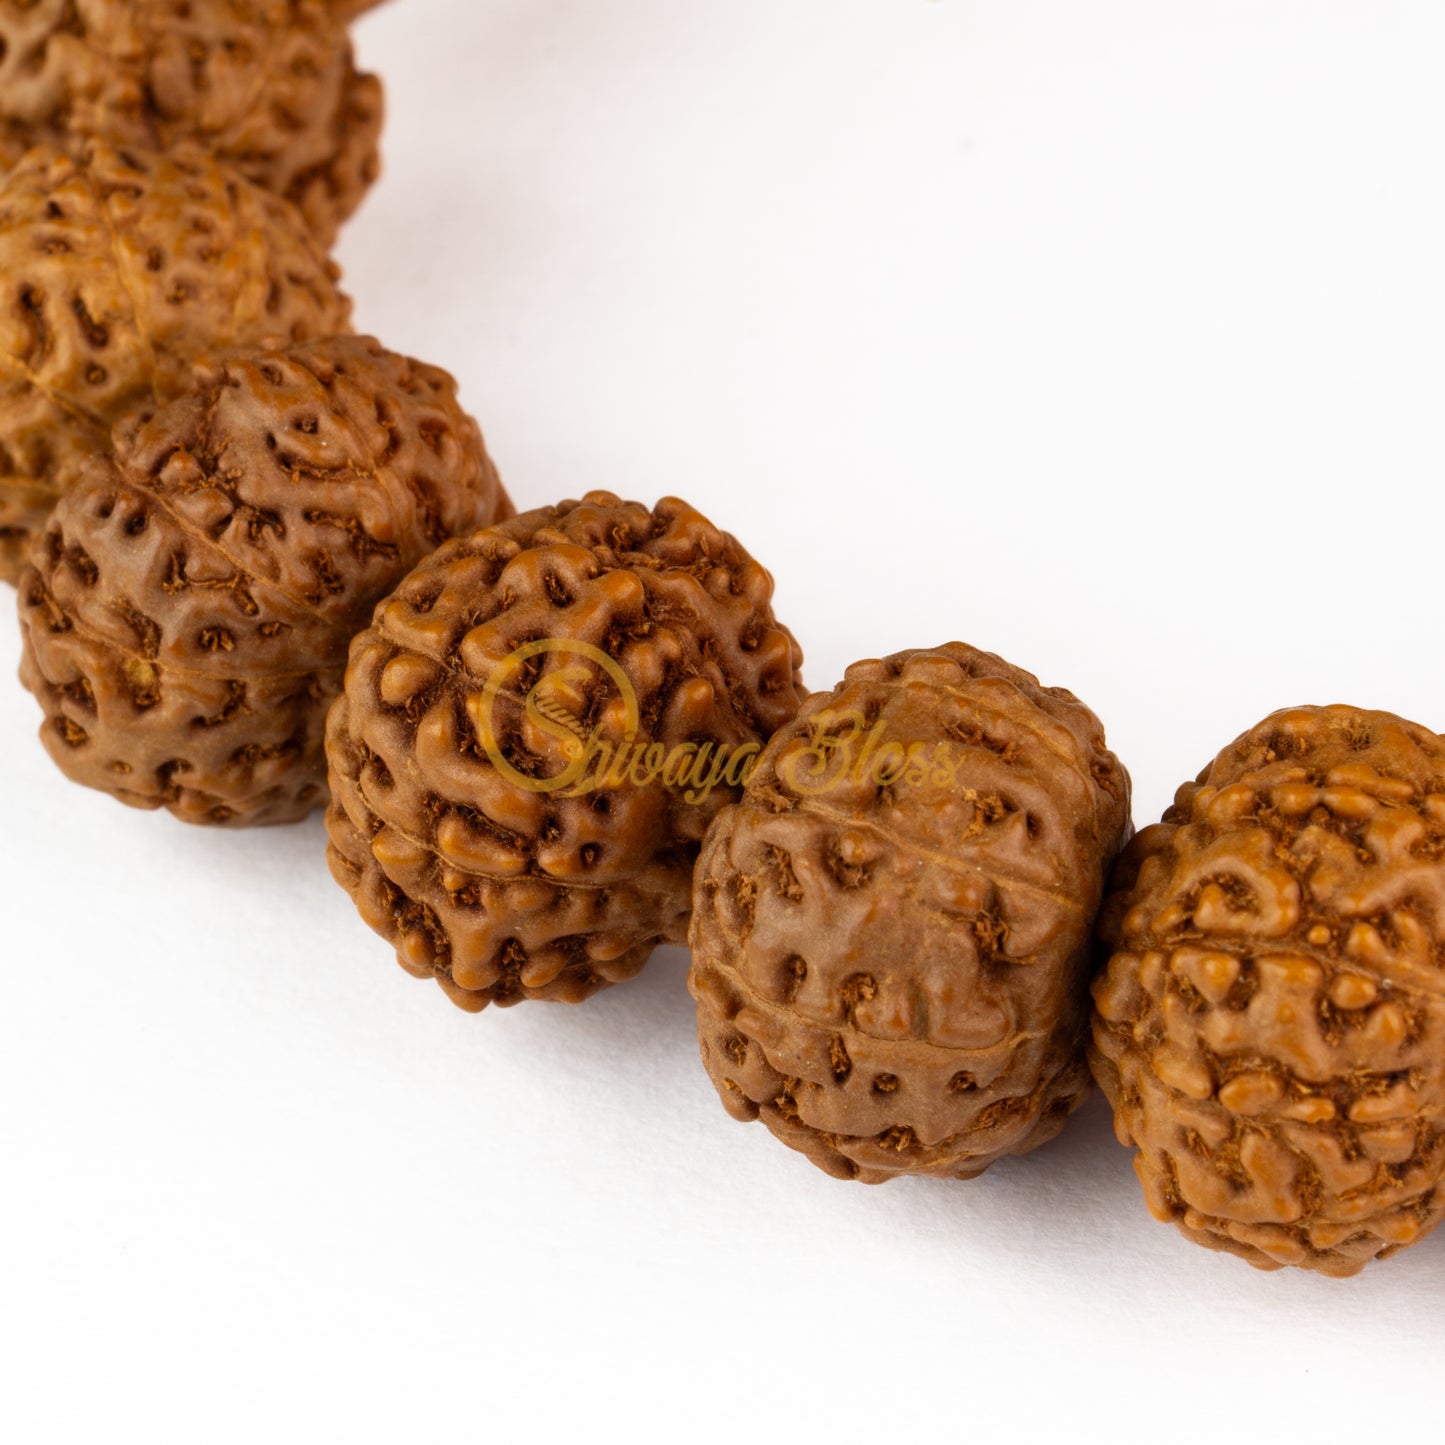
x: 500, y: 891
x: 190, y: 606
x: 1271, y: 1027
x: 267, y: 85
x: 891, y: 963
x: 119, y: 269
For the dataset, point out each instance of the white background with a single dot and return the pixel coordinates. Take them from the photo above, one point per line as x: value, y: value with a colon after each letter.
x: 1109, y: 336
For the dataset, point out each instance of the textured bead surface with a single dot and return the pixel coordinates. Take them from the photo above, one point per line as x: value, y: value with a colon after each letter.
x: 892, y: 932
x: 190, y: 605
x: 1271, y: 1027
x: 481, y: 871
x: 267, y: 85
x: 120, y: 269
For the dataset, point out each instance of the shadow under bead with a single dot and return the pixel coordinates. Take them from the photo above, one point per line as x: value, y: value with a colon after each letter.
x: 1270, y: 1029
x: 480, y: 816
x: 892, y: 935
x: 269, y: 87
x: 121, y: 269
x: 190, y: 604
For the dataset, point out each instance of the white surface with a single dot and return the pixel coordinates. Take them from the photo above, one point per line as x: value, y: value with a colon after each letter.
x: 1106, y: 335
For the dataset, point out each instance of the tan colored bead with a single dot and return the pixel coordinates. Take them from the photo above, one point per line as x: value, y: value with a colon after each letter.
x: 1324, y: 1147
x: 122, y: 269
x: 191, y: 602
x: 269, y: 87
x: 931, y: 928
x: 500, y: 889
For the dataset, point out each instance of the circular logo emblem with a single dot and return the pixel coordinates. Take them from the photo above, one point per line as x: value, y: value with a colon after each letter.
x: 550, y: 706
